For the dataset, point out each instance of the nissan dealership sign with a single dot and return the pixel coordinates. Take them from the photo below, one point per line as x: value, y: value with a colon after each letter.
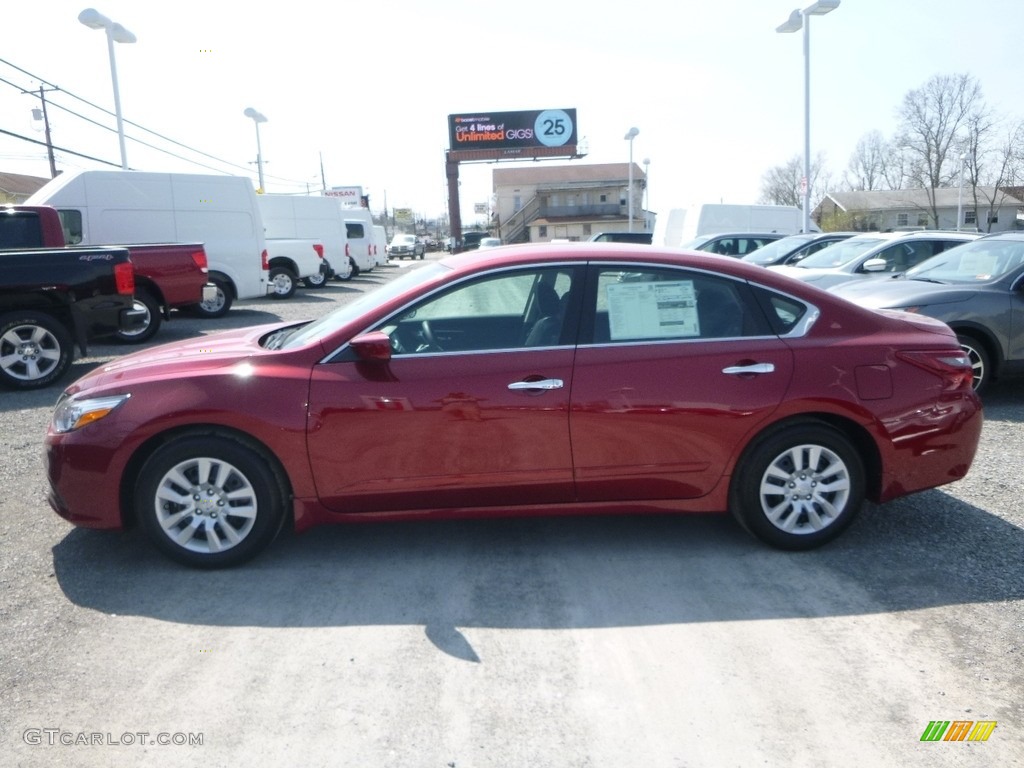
x: 548, y: 132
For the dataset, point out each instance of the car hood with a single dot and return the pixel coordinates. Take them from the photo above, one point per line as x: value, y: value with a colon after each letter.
x: 178, y: 359
x: 900, y: 292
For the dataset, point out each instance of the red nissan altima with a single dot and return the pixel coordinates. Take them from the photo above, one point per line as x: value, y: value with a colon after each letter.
x: 545, y: 379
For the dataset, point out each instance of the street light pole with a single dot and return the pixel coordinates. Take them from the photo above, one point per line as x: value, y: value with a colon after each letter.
x: 800, y: 19
x: 630, y: 135
x: 93, y: 19
x: 257, y: 118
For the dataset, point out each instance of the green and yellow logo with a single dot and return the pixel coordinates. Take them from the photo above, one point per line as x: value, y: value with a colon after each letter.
x: 958, y: 730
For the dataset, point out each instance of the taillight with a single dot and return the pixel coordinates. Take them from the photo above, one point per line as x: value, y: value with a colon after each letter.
x: 953, y: 367
x: 348, y: 251
x: 265, y: 259
x: 319, y: 249
x: 199, y: 257
x: 124, y: 279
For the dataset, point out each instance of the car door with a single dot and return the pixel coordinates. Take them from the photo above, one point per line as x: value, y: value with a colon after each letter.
x: 471, y: 409
x: 675, y: 368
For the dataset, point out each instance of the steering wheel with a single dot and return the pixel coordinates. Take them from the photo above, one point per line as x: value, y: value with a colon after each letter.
x: 428, y: 336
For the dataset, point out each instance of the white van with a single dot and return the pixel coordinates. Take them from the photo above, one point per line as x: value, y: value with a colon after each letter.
x: 306, y: 217
x: 359, y: 231
x: 139, y: 207
x: 682, y: 225
x: 380, y: 245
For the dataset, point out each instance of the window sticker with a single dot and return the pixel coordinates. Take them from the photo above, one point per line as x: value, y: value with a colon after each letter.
x: 656, y: 310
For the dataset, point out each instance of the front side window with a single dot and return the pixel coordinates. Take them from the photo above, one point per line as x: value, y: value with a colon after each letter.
x: 511, y: 310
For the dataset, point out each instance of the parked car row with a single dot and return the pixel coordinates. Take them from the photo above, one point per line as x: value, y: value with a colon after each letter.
x: 973, y: 283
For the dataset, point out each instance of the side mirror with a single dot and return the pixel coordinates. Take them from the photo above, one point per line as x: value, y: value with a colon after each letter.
x: 874, y: 265
x: 374, y: 346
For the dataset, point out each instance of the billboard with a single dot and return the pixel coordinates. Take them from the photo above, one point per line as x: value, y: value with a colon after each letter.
x: 536, y: 133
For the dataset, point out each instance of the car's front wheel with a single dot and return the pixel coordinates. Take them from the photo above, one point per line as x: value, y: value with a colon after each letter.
x: 798, y: 488
x: 35, y: 349
x: 210, y: 501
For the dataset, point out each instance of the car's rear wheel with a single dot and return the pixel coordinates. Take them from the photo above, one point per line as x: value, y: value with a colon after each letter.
x: 799, y: 487
x: 35, y: 350
x: 150, y: 325
x: 219, y: 305
x: 283, y: 282
x: 210, y: 501
x: 319, y: 280
x: 981, y: 365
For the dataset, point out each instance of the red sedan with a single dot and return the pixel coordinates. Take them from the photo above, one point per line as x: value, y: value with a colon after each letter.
x: 577, y: 378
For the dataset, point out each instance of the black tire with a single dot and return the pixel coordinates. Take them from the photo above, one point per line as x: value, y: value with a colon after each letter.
x: 35, y: 350
x: 981, y: 363
x: 284, y: 282
x: 319, y: 280
x: 143, y: 300
x: 193, y: 523
x: 799, y: 487
x: 220, y: 304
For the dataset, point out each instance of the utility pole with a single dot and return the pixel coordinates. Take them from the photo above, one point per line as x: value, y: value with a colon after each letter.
x: 46, y: 127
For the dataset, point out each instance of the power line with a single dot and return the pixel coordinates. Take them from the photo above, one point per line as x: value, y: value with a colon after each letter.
x: 129, y: 122
x: 62, y: 149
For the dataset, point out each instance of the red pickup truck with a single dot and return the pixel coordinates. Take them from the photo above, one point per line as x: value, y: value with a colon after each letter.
x: 167, y: 275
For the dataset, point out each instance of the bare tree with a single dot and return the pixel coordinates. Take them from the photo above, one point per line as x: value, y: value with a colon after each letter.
x: 992, y: 166
x: 866, y: 170
x: 781, y: 185
x: 934, y: 120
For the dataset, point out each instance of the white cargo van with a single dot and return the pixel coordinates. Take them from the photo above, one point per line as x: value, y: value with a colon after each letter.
x: 359, y: 231
x: 139, y: 207
x: 380, y: 245
x: 307, y: 217
x: 682, y: 225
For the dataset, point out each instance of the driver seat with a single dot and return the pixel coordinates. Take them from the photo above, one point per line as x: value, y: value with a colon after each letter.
x: 546, y: 331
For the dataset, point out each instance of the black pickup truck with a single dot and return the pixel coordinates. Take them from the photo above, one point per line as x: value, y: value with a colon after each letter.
x: 53, y: 298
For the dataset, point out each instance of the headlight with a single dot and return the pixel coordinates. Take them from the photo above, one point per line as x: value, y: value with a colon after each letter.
x: 71, y: 414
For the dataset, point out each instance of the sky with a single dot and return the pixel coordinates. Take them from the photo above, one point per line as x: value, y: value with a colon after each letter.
x: 364, y: 90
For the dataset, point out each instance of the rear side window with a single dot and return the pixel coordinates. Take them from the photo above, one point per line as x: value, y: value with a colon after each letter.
x: 71, y: 223
x: 20, y: 230
x: 655, y: 304
x: 354, y: 230
x: 784, y: 312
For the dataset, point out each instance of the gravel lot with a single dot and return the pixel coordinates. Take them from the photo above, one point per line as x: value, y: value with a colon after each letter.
x: 654, y: 641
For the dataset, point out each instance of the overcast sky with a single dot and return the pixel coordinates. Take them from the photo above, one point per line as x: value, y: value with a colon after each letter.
x: 716, y: 93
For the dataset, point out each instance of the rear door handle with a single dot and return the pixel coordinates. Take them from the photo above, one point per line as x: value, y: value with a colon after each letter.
x: 542, y: 384
x: 739, y: 370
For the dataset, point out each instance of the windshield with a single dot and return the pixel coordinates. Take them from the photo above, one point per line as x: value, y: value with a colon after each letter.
x: 330, y: 323
x: 404, y: 240
x: 979, y: 262
x: 779, y: 249
x: 840, y: 254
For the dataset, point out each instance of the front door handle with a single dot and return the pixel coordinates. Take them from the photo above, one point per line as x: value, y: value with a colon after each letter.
x: 542, y: 384
x: 739, y: 370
